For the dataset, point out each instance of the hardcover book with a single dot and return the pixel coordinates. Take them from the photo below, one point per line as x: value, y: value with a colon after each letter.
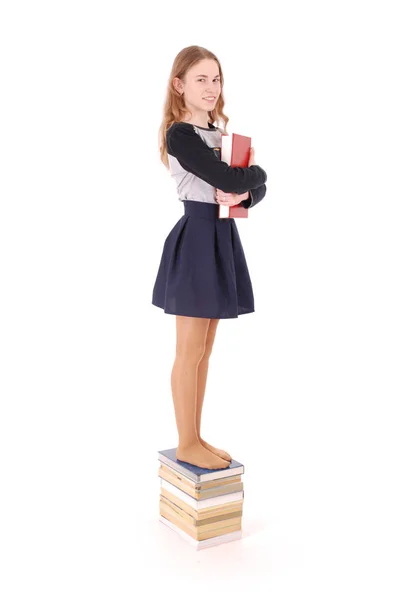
x: 235, y: 151
x: 199, y: 491
x: 198, y: 474
x: 221, y: 538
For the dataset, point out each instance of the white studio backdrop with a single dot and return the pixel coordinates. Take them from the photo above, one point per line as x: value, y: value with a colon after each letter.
x: 311, y: 405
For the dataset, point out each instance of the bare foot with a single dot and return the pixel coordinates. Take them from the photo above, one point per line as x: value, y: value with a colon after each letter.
x: 217, y: 451
x: 198, y: 455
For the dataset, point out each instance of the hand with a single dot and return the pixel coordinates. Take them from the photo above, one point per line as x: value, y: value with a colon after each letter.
x: 252, y: 158
x: 227, y: 199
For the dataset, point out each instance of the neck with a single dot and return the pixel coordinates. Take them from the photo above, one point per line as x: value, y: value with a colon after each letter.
x: 198, y: 117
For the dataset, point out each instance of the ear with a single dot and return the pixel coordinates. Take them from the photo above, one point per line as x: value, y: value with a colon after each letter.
x: 177, y: 84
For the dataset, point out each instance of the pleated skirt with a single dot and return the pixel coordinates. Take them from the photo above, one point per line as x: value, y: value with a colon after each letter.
x: 203, y: 270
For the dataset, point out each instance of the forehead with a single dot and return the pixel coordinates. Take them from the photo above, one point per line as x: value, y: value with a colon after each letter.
x: 207, y: 66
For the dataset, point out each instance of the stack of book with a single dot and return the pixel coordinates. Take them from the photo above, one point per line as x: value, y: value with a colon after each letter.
x: 204, y: 506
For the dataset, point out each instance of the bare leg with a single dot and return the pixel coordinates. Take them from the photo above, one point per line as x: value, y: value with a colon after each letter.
x: 201, y: 387
x: 190, y: 347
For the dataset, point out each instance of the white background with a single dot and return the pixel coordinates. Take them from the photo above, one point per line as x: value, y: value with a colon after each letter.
x: 311, y: 407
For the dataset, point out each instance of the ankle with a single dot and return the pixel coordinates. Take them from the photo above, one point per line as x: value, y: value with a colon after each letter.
x: 186, y: 444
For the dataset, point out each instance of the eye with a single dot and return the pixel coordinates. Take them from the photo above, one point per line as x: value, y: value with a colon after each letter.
x: 203, y: 79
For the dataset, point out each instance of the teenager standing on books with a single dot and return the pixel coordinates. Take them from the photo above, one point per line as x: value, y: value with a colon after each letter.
x: 203, y: 274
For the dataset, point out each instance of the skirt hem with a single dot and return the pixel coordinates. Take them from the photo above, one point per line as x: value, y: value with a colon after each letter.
x: 167, y: 312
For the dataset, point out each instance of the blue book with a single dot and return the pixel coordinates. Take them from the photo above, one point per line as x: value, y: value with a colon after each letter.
x: 198, y: 474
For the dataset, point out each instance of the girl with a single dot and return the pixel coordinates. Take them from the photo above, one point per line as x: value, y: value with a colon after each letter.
x: 203, y: 274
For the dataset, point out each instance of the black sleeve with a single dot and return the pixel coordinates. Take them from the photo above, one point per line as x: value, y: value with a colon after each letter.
x: 255, y: 196
x: 195, y: 156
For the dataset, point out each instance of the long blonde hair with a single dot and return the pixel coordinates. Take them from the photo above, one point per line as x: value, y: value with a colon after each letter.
x: 174, y: 105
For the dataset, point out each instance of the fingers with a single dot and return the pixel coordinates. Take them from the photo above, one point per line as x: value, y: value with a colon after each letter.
x: 222, y: 197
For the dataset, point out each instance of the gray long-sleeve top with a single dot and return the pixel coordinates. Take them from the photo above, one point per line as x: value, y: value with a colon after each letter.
x: 194, y: 155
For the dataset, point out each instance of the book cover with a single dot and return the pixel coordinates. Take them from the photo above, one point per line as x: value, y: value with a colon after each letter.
x: 235, y: 151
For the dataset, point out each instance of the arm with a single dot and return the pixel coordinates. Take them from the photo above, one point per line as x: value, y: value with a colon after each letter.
x: 255, y: 196
x: 195, y: 156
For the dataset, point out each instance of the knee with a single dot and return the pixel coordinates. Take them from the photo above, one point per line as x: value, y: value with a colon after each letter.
x: 207, y: 352
x: 191, y: 352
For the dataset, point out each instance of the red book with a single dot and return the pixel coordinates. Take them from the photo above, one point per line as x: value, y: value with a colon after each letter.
x: 235, y: 151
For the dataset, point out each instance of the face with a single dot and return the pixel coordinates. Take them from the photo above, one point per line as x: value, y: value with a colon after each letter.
x: 202, y: 81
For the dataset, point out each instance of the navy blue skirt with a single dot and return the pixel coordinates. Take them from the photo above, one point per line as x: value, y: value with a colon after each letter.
x: 203, y: 270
